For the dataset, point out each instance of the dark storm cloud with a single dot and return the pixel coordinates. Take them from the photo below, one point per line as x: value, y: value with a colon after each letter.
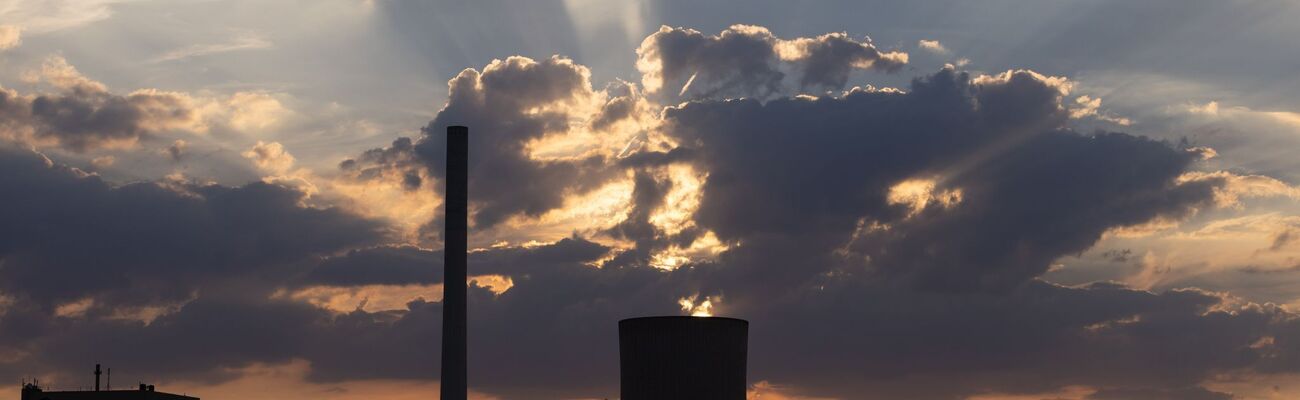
x: 778, y: 171
x: 208, y: 339
x: 895, y: 343
x: 67, y: 235
x: 521, y: 261
x: 748, y: 61
x: 1191, y: 393
x: 86, y: 116
x: 932, y: 249
x: 217, y: 253
x: 804, y: 185
x: 222, y: 252
x: 197, y: 342
x: 404, y: 265
x: 384, y: 265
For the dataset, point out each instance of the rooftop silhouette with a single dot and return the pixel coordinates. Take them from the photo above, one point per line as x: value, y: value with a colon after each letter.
x: 33, y: 391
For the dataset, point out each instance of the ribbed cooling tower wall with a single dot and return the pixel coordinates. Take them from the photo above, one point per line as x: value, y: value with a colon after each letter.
x: 683, y: 358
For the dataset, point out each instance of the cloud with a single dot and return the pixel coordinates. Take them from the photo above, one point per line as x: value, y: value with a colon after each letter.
x: 510, y: 105
x: 270, y: 157
x: 1235, y: 188
x: 1087, y: 106
x: 824, y: 62
x: 882, y: 258
x: 1104, y: 336
x: 103, y: 161
x: 932, y: 46
x: 242, y: 41
x: 921, y: 217
x: 402, y: 265
x: 1282, y: 239
x: 82, y: 115
x: 151, y: 240
x: 10, y: 37
x: 408, y: 265
x: 286, y: 381
x: 59, y: 73
x: 1246, y: 139
x: 771, y: 177
x: 85, y: 116
x: 385, y: 183
x: 251, y: 111
x: 177, y: 150
x: 47, y: 16
x: 1191, y: 393
x: 157, y: 265
x: 746, y: 60
x: 884, y: 243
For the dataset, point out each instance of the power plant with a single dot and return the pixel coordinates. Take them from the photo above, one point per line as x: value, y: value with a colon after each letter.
x: 660, y: 358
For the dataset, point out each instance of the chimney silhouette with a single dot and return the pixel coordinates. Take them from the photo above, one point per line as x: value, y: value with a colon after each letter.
x: 454, y: 324
x: 97, y: 372
x: 682, y: 358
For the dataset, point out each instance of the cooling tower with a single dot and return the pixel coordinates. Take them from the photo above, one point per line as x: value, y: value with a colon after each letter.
x: 683, y: 358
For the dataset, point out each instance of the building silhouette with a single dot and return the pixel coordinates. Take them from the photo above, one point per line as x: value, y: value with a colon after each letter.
x: 34, y: 391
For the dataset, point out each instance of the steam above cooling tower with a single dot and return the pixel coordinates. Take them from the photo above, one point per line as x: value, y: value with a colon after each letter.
x: 683, y: 358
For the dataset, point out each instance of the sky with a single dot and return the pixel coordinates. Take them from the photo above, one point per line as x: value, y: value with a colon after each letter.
x: 980, y: 200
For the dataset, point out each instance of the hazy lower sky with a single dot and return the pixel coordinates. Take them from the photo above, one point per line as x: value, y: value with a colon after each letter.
x: 907, y: 200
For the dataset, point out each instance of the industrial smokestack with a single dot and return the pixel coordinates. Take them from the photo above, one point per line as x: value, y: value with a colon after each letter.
x: 682, y: 358
x: 454, y: 324
x: 97, y: 372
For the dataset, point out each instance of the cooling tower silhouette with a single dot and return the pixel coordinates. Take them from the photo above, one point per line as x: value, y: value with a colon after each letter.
x: 683, y: 358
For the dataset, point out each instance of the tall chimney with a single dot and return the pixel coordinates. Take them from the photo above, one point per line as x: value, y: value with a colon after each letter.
x: 454, y: 324
x: 97, y: 372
